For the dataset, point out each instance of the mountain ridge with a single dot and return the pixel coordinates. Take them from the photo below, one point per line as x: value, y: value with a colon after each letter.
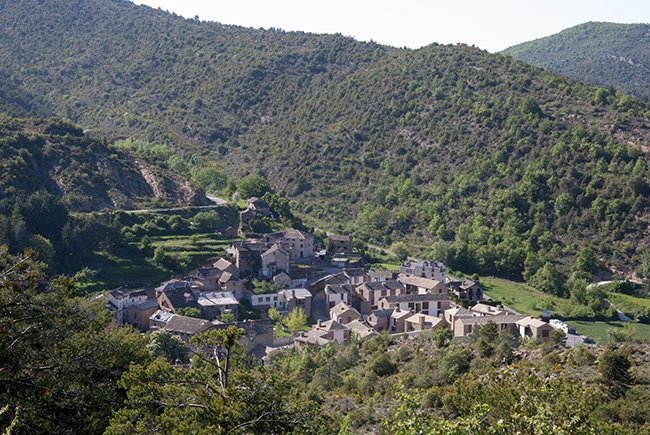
x: 603, y: 53
x: 448, y: 146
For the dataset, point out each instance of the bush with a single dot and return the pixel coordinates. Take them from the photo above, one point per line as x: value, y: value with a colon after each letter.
x: 380, y: 364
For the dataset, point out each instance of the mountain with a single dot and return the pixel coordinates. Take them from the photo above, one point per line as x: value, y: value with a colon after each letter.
x: 476, y: 159
x: 604, y: 54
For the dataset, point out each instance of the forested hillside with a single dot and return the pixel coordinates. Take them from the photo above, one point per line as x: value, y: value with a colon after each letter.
x: 604, y: 54
x: 86, y: 173
x: 489, y: 163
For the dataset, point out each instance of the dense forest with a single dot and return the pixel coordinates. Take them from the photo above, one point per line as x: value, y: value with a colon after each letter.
x: 604, y: 54
x: 484, y: 162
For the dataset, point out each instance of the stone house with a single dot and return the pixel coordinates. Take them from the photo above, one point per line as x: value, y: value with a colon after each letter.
x: 469, y: 290
x: 464, y: 326
x: 258, y: 206
x: 159, y: 319
x: 274, y: 260
x: 337, y: 293
x: 379, y: 319
x: 139, y: 314
x: 485, y: 310
x: 174, y: 295
x: 374, y: 291
x: 342, y: 243
x: 381, y: 275
x: 257, y: 333
x: 298, y: 298
x: 530, y: 327
x: 361, y: 328
x: 231, y: 283
x: 299, y: 243
x: 120, y: 300
x: 344, y: 313
x: 213, y: 304
x: 454, y: 313
x: 322, y: 333
x: 356, y: 276
x: 397, y: 320
x: 247, y: 255
x: 187, y: 327
x: 245, y: 218
x: 226, y: 266
x: 427, y: 303
x: 418, y: 285
x: 282, y: 279
x: 207, y: 278
x: 421, y: 322
x: 273, y: 300
x: 425, y: 269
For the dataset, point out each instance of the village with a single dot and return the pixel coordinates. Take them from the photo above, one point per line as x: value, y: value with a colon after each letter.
x: 341, y: 296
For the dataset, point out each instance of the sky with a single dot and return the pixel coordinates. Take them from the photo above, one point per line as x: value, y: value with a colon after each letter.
x: 492, y: 25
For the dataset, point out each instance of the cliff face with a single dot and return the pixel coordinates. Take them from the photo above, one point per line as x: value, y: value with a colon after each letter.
x: 87, y: 173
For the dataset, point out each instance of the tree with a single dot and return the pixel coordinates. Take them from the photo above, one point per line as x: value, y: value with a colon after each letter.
x: 401, y: 250
x: 145, y: 243
x: 587, y: 260
x: 84, y: 276
x: 228, y: 318
x: 207, y: 221
x: 296, y: 319
x: 274, y: 315
x: 529, y: 106
x: 45, y: 250
x: 549, y: 280
x: 61, y: 358
x: 254, y: 185
x: 614, y: 367
x: 330, y: 246
x: 223, y: 392
x: 189, y: 312
x: 159, y: 256
x: 211, y: 180
x: 646, y: 270
x: 170, y: 347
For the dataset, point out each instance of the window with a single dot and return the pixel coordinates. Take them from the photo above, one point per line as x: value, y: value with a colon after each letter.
x: 268, y: 299
x: 425, y: 305
x: 275, y: 298
x: 260, y: 300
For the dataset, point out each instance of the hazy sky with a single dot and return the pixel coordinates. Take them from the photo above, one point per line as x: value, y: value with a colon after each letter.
x: 489, y: 24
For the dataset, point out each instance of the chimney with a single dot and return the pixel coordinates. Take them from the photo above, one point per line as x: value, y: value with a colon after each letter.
x: 319, y: 323
x: 293, y: 294
x: 397, y: 309
x: 421, y: 321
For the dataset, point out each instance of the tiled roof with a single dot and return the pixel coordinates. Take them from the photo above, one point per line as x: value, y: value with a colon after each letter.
x: 417, y: 281
x: 382, y: 273
x: 187, y: 325
x: 512, y: 318
x: 147, y: 305
x: 341, y: 308
x: 425, y: 297
x: 338, y: 289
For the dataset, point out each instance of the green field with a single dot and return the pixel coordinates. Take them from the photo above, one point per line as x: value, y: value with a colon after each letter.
x: 389, y: 266
x: 598, y: 330
x: 630, y: 305
x: 133, y: 267
x: 523, y: 298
